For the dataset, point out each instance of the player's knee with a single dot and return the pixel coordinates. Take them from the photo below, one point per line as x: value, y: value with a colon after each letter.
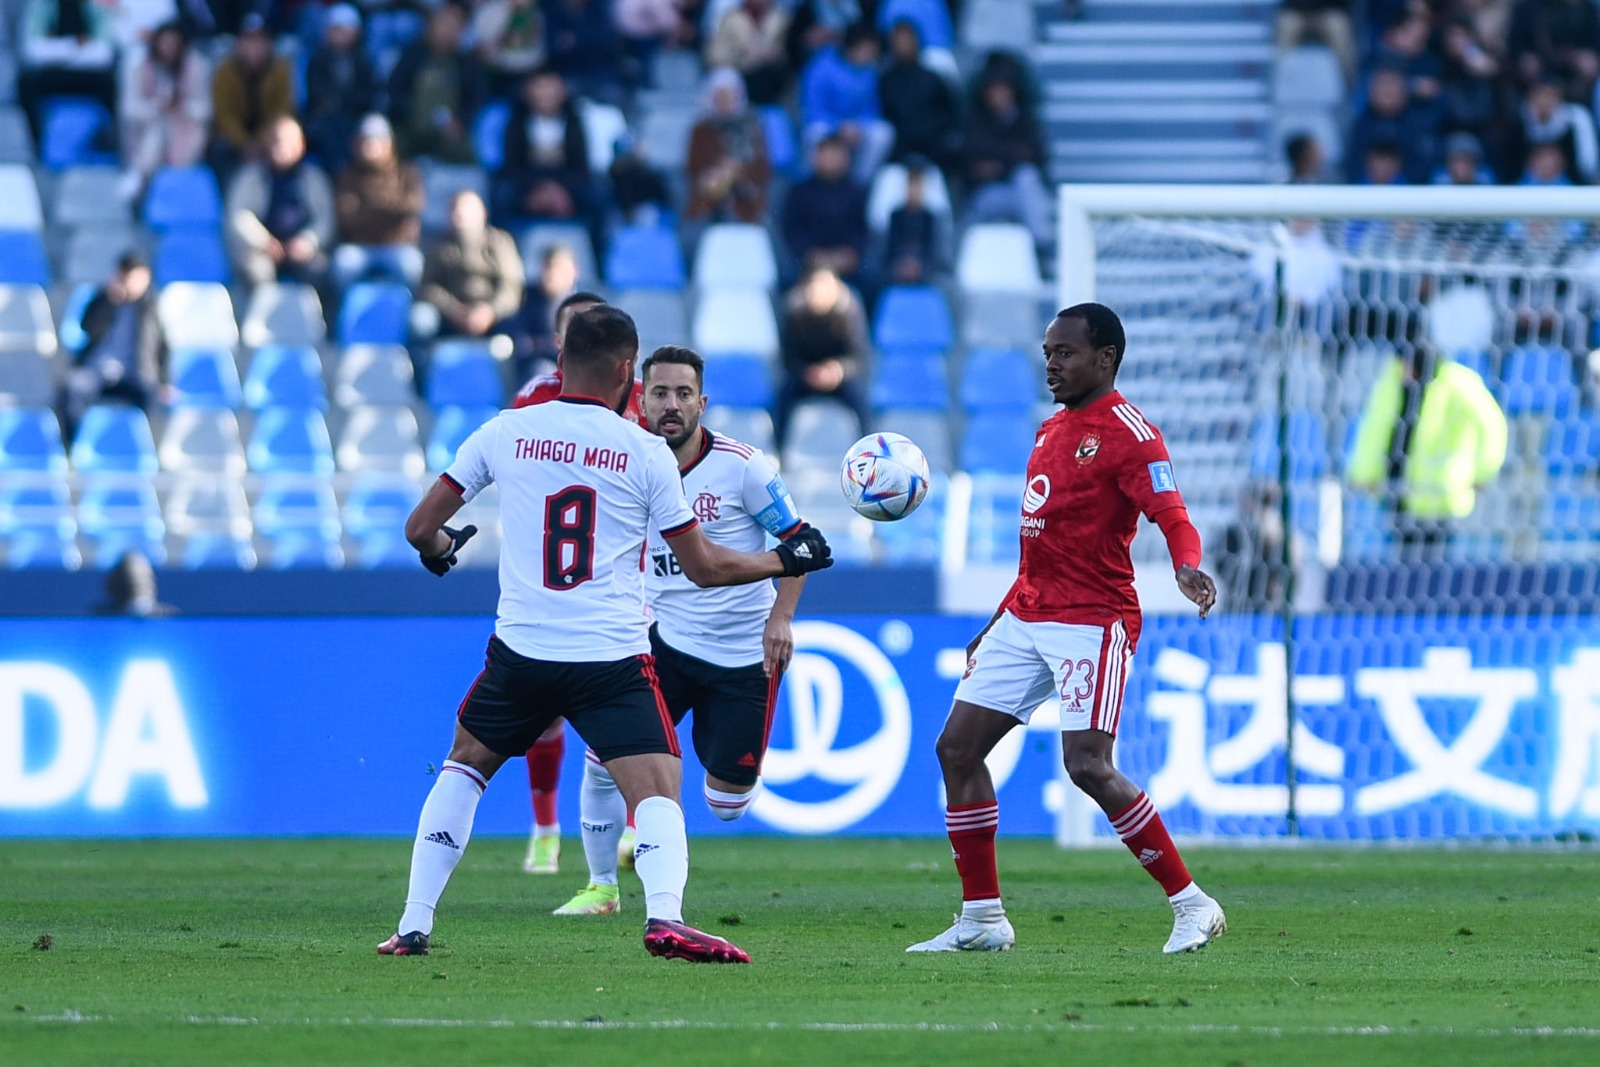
x: 1089, y: 771
x: 728, y: 805
x: 957, y: 753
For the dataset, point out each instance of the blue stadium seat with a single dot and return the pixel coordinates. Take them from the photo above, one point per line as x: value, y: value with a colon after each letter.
x: 1573, y: 444
x: 299, y: 551
x: 451, y: 426
x: 917, y: 539
x: 644, y: 257
x: 30, y: 440
x: 911, y: 379
x: 1000, y: 380
x: 464, y: 374
x: 182, y: 198
x: 191, y: 254
x: 1538, y: 381
x: 22, y: 259
x: 931, y: 17
x: 1570, y: 515
x: 1368, y: 529
x: 740, y: 381
x: 385, y: 551
x: 992, y: 518
x: 293, y: 504
x: 1480, y: 361
x: 285, y: 376
x: 374, y: 314
x: 36, y: 550
x: 378, y: 504
x: 290, y: 441
x: 114, y: 438
x: 1308, y: 446
x: 73, y: 128
x: 913, y: 316
x: 204, y: 378
x: 36, y: 503
x: 209, y: 550
x: 119, y: 509
x: 489, y: 134
x: 783, y: 149
x: 997, y: 443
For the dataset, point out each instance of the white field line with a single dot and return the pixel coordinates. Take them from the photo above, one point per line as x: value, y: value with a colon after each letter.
x: 1582, y: 1032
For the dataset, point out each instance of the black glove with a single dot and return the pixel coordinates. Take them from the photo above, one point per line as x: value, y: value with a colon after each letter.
x: 441, y: 564
x: 804, y: 551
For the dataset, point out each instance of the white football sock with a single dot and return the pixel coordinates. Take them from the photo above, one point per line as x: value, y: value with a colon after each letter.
x: 661, y: 856
x: 443, y: 830
x: 990, y: 910
x: 729, y: 806
x: 604, y: 813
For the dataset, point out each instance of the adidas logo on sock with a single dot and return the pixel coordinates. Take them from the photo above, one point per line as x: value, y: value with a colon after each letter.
x: 442, y: 837
x: 643, y: 850
x: 1150, y: 855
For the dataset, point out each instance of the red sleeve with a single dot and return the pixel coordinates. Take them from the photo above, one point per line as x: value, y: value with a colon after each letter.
x: 538, y: 391
x: 632, y: 412
x: 1146, y: 477
x: 1183, y: 540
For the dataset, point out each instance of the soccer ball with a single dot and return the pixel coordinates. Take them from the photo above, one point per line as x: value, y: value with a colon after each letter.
x: 884, y: 476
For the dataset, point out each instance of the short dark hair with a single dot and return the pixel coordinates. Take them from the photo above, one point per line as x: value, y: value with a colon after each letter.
x: 679, y: 355
x: 858, y: 32
x: 598, y: 335
x: 1100, y: 325
x: 1298, y: 146
x: 582, y: 296
x: 132, y: 260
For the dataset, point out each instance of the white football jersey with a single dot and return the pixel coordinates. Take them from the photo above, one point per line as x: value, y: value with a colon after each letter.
x: 739, y: 498
x: 581, y: 490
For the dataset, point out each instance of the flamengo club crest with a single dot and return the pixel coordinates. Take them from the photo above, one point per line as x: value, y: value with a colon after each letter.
x: 707, y: 507
x: 1087, y: 448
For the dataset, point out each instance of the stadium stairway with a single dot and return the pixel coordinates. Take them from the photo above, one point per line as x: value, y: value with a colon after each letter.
x: 1156, y: 90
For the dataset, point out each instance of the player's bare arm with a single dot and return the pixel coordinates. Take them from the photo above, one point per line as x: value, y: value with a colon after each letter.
x: 707, y: 563
x: 777, y: 640
x: 427, y: 532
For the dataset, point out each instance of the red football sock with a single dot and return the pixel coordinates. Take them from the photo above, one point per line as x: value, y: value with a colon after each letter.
x: 544, y: 775
x: 971, y: 828
x: 1141, y: 829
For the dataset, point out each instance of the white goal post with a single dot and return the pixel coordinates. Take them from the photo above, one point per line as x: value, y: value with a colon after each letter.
x: 1081, y: 207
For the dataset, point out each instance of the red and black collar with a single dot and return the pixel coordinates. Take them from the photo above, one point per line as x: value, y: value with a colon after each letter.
x: 705, y: 450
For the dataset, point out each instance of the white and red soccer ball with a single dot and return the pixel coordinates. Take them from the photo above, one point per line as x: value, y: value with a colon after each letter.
x: 884, y: 476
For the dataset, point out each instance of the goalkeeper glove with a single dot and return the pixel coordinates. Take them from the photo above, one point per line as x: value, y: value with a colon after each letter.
x: 441, y: 564
x: 804, y: 551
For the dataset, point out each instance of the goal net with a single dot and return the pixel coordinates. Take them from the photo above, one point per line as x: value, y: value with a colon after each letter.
x: 1381, y: 408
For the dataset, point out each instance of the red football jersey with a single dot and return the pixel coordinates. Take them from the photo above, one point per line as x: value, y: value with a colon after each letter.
x: 548, y: 387
x: 1092, y: 473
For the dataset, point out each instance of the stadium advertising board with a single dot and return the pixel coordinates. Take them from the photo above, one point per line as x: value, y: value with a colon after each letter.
x: 1407, y: 728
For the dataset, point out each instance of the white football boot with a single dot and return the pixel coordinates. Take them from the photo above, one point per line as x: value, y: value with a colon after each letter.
x: 1194, y: 923
x: 970, y: 935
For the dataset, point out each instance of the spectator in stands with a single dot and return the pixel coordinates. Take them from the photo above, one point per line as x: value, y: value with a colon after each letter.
x: 1463, y: 162
x: 646, y: 25
x: 1250, y: 566
x: 166, y: 109
x: 918, y: 103
x: 916, y: 248
x: 819, y: 23
x: 1559, y: 40
x: 1308, y: 165
x: 825, y: 215
x: 131, y: 590
x: 1470, y: 73
x: 341, y: 88
x: 532, y: 327
x: 1382, y: 164
x: 1404, y: 48
x: 1549, y: 120
x: 1391, y: 118
x: 378, y: 203
x: 280, y: 213
x: 639, y: 191
x: 123, y: 359
x: 435, y: 91
x: 509, y: 36
x: 546, y: 169
x: 472, y: 278
x: 729, y: 172
x: 839, y: 97
x: 1430, y: 436
x: 67, y: 50
x: 250, y: 91
x: 1004, y: 157
x: 749, y: 38
x: 1327, y: 21
x: 584, y: 47
x: 824, y: 339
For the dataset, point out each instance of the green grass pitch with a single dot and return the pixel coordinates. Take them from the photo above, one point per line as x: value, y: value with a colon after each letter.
x: 245, y: 952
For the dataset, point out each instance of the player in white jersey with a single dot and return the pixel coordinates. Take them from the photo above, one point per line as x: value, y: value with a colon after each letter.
x: 719, y: 651
x: 580, y: 491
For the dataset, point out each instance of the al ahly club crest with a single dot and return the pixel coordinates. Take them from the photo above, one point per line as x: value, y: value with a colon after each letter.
x: 1087, y: 448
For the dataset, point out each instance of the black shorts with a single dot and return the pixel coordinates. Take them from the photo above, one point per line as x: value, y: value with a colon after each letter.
x: 615, y: 705
x: 732, y: 709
